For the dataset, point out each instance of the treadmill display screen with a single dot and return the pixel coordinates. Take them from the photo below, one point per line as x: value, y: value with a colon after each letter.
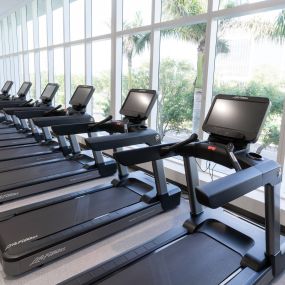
x: 138, y: 104
x: 236, y: 117
x: 24, y: 87
x: 81, y: 96
x: 6, y: 86
x: 49, y: 91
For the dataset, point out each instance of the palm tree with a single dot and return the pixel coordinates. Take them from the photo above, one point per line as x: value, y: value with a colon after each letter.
x: 197, y: 33
x: 134, y: 44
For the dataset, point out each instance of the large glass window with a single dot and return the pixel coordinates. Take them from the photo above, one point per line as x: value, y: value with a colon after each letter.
x: 10, y: 35
x: 136, y: 60
x: 59, y: 75
x: 176, y: 9
x: 180, y: 81
x: 21, y: 71
x: 250, y: 60
x: 2, y: 37
x: 32, y: 74
x: 233, y: 3
x: 1, y: 72
x: 19, y: 30
x: 30, y: 27
x: 101, y: 70
x: 101, y: 17
x: 43, y: 68
x: 42, y: 23
x: 57, y: 16
x: 77, y: 66
x: 77, y: 30
x: 136, y: 13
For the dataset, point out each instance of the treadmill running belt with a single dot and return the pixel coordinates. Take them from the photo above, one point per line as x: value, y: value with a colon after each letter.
x: 27, y: 151
x: 196, y: 259
x: 7, y: 131
x: 23, y: 176
x: 12, y: 136
x: 20, y: 141
x: 58, y: 217
x: 6, y: 126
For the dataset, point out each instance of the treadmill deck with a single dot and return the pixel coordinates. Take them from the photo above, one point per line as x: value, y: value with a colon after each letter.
x: 194, y: 259
x: 46, y: 221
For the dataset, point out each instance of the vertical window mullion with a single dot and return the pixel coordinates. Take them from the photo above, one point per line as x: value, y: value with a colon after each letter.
x: 281, y: 146
x: 88, y: 48
x: 50, y: 53
x: 209, y: 63
x: 116, y: 57
x: 26, y: 75
x: 36, y: 45
x: 67, y: 59
x: 154, y: 57
x: 15, y: 58
x: 24, y: 28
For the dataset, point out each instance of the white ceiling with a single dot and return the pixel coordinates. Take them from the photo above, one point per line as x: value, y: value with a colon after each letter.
x: 6, y: 5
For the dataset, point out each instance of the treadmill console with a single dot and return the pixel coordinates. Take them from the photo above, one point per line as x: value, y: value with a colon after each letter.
x: 138, y: 104
x: 24, y: 89
x: 236, y: 118
x: 49, y: 92
x: 81, y: 97
x: 7, y: 86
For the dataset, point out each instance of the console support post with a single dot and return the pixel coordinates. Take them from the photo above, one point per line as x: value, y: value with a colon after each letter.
x: 24, y: 124
x: 16, y: 121
x: 122, y: 169
x: 272, y: 218
x: 8, y: 117
x: 33, y: 127
x: 74, y: 144
x: 192, y: 180
x: 159, y: 177
x: 47, y: 134
x: 98, y: 157
x: 62, y: 142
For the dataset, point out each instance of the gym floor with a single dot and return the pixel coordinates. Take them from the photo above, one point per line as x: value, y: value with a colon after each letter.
x: 97, y: 253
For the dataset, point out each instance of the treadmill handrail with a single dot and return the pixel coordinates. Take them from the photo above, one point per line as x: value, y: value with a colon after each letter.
x: 61, y: 120
x: 21, y: 110
x: 29, y: 114
x: 144, y: 154
x: 80, y: 128
x: 146, y: 136
x: 226, y: 189
x: 7, y: 104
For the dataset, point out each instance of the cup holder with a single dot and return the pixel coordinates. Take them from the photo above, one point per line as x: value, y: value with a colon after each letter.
x: 254, y: 156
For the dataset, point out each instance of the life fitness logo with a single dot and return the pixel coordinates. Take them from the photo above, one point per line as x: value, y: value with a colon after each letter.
x: 212, y: 148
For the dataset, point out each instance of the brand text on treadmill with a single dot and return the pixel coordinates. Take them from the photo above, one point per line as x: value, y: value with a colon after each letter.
x: 4, y: 196
x: 47, y: 255
x: 20, y: 242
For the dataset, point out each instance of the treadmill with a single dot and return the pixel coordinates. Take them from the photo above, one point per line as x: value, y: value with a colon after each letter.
x: 23, y: 134
x: 6, y: 89
x: 22, y: 93
x: 54, y: 170
x: 33, y: 235
x: 214, y: 246
x: 75, y: 113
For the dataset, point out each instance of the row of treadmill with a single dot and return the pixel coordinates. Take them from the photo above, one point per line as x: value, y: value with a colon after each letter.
x: 40, y: 151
